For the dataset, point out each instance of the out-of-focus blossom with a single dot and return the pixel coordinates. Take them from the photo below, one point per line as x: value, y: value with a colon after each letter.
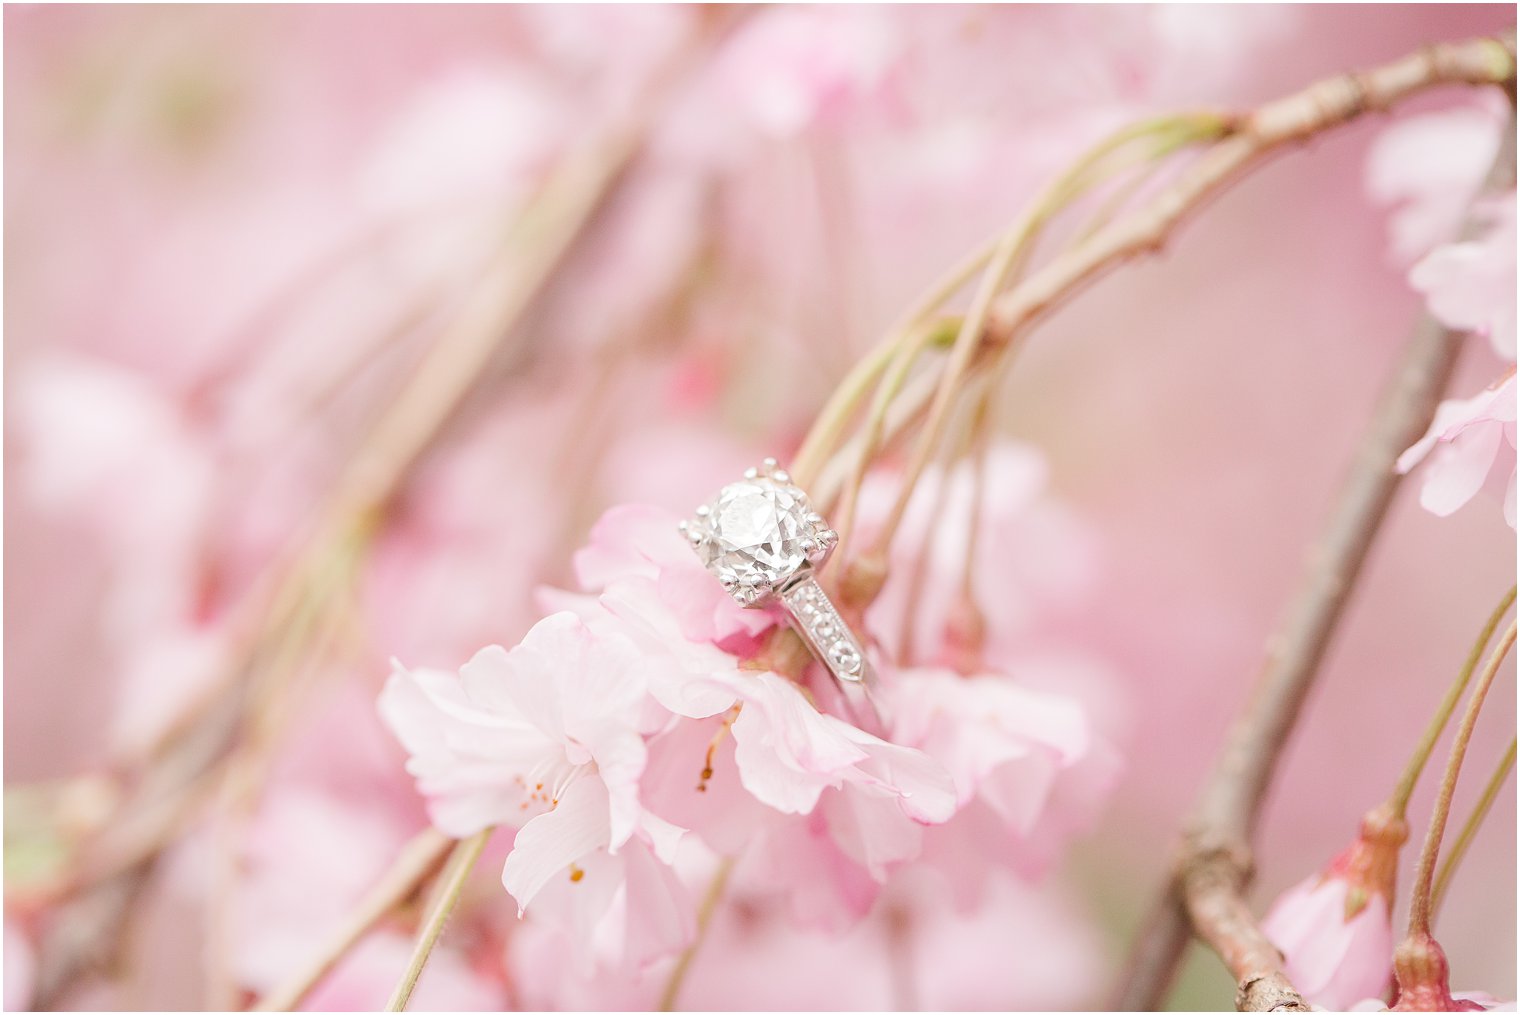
x: 1471, y: 285
x: 1428, y: 169
x: 1034, y: 556
x: 473, y: 134
x: 1468, y: 439
x: 102, y: 446
x: 1031, y: 758
x: 335, y: 812
x: 1431, y: 168
x: 795, y: 68
x: 1335, y: 929
x: 1332, y: 960
x: 1015, y: 948
x: 445, y: 532
x: 20, y: 969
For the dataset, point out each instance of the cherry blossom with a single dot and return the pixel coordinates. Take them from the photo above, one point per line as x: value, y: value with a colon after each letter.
x: 506, y: 739
x: 1332, y: 959
x: 1468, y: 439
x: 1428, y: 168
x: 1031, y: 761
x: 1335, y: 928
x: 20, y: 969
x: 1471, y: 285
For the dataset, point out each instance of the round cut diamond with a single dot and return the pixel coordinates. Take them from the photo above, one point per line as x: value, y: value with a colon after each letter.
x: 843, y: 655
x: 754, y: 532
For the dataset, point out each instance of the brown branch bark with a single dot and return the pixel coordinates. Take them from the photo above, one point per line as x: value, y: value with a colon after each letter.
x: 1260, y: 135
x: 1206, y: 896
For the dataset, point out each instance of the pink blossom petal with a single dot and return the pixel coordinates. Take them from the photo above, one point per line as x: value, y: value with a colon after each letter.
x: 1471, y: 285
x: 554, y: 840
x: 786, y: 750
x: 919, y: 784
x: 659, y: 910
x: 870, y: 827
x: 1457, y: 471
x: 20, y: 969
x: 627, y: 541
x: 1335, y: 962
x: 1429, y: 167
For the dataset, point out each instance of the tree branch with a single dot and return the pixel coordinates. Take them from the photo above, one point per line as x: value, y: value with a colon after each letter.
x: 1215, y: 866
x: 1261, y: 134
x: 1255, y: 139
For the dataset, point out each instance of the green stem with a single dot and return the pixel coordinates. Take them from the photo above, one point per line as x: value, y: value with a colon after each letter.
x: 1470, y: 828
x: 876, y: 420
x: 461, y: 861
x: 1012, y: 249
x: 1172, y: 131
x: 829, y: 427
x: 1421, y: 904
x: 671, y: 993
x: 1399, y: 801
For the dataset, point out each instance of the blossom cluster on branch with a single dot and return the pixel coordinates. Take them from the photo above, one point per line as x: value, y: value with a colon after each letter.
x: 361, y: 364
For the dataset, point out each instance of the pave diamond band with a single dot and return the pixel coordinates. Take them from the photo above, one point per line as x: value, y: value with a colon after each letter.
x: 762, y: 539
x: 816, y: 619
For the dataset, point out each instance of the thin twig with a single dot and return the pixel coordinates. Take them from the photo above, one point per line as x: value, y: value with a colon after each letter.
x: 417, y: 859
x: 1399, y: 802
x: 1268, y: 130
x: 671, y: 994
x: 1421, y: 903
x: 457, y: 871
x: 1470, y: 828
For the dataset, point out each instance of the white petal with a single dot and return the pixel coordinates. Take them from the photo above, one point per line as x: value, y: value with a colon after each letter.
x: 553, y: 841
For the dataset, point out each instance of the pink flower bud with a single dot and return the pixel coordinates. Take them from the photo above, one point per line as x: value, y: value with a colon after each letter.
x: 1335, y: 929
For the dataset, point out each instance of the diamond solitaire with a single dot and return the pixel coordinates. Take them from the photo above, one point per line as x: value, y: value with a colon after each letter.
x: 759, y: 533
x: 762, y: 539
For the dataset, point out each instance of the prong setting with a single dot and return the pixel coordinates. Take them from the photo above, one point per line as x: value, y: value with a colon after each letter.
x: 762, y: 540
x: 759, y: 534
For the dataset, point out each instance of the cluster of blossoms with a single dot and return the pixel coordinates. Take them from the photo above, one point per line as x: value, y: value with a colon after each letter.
x: 634, y: 740
x: 175, y: 437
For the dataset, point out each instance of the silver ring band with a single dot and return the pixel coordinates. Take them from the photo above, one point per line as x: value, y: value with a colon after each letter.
x: 825, y: 632
x: 817, y: 621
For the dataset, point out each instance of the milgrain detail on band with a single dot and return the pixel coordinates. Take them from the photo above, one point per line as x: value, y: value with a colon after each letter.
x: 822, y: 628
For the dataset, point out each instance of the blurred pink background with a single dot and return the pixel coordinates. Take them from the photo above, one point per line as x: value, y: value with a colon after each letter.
x: 214, y: 214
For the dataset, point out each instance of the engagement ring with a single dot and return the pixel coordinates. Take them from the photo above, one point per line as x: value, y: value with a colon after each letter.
x: 762, y: 539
